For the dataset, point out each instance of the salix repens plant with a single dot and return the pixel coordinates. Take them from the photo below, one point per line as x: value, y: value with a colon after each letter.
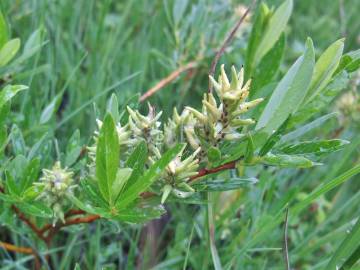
x: 219, y: 120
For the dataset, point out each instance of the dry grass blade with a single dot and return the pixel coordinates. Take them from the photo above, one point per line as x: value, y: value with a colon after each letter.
x: 164, y: 82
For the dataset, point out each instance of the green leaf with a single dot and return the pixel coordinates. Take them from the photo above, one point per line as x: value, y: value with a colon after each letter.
x: 37, y: 209
x: 4, y: 112
x: 287, y: 161
x: 136, y: 161
x: 32, y: 192
x: 92, y: 193
x: 224, y: 185
x: 104, y: 212
x: 249, y: 150
x: 11, y: 185
x: 352, y: 260
x: 113, y: 108
x: 8, y: 51
x: 289, y: 93
x: 346, y: 248
x: 73, y: 149
x: 37, y: 148
x: 122, y: 177
x: 300, y: 131
x: 8, y: 198
x: 179, y: 10
x: 322, y: 100
x: 150, y: 176
x: 214, y: 154
x: 17, y: 141
x: 4, y: 35
x: 325, y: 68
x: 275, y: 27
x: 314, y: 147
x: 349, y: 62
x: 30, y: 174
x: 3, y: 138
x: 24, y: 172
x: 140, y: 214
x: 17, y: 166
x: 33, y: 43
x: 107, y: 157
x: 8, y: 92
x: 274, y: 138
x: 353, y: 66
x: 50, y: 109
x: 269, y: 66
x: 261, y: 18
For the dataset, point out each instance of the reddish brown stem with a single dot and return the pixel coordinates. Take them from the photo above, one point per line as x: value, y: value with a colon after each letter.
x: 25, y: 219
x: 204, y: 172
x: 74, y: 212
x: 13, y: 248
x: 28, y: 222
x: 161, y: 84
x: 79, y: 220
x: 24, y: 250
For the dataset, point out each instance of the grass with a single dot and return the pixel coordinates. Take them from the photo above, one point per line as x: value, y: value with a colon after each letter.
x: 91, y: 49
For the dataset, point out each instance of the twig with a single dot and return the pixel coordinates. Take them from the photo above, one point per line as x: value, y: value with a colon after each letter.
x: 285, y: 247
x: 24, y: 250
x: 203, y: 172
x: 226, y: 43
x: 161, y: 84
x: 13, y: 248
x: 25, y: 219
x: 74, y: 212
x: 71, y: 212
x: 79, y: 220
x: 28, y: 222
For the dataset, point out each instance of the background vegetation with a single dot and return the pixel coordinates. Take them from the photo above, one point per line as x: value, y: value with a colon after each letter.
x: 90, y: 49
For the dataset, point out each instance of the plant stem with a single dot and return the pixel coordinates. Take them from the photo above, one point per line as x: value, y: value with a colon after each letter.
x: 24, y: 250
x: 25, y: 219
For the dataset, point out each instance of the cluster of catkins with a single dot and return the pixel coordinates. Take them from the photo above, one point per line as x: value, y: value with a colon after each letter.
x: 219, y: 120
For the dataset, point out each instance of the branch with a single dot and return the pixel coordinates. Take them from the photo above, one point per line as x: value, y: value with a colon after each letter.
x: 203, y: 172
x: 227, y: 42
x: 79, y: 220
x: 25, y: 219
x: 24, y: 250
x: 13, y: 248
x: 28, y: 222
x: 69, y: 222
x: 74, y: 212
x: 161, y: 84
